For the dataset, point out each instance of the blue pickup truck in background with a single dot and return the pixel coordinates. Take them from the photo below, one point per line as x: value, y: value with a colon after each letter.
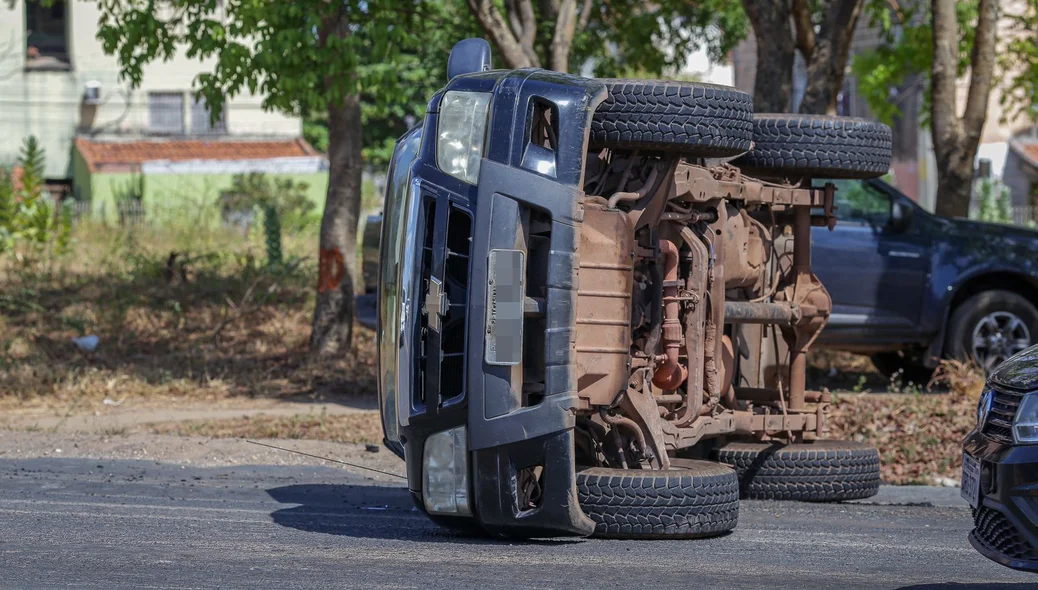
x: 908, y: 288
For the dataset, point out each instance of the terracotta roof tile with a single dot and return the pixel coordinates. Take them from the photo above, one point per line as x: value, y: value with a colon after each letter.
x: 123, y: 153
x: 1030, y: 151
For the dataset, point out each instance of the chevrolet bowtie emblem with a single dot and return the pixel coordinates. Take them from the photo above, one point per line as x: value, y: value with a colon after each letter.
x: 435, y: 303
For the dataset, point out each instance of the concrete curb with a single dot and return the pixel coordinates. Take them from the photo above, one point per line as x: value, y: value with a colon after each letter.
x: 933, y: 496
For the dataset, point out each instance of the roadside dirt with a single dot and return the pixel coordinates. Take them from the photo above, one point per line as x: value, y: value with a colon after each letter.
x: 195, y: 451
x: 123, y: 416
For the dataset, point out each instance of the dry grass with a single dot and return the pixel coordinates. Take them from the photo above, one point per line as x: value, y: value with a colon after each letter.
x: 919, y: 436
x: 362, y: 427
x: 218, y: 322
x: 229, y: 326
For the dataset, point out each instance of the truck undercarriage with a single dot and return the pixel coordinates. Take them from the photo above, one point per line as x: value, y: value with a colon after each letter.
x: 595, y: 311
x: 674, y: 258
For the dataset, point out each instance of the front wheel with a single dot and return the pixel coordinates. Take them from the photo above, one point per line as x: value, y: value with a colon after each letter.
x: 694, y: 499
x: 990, y: 327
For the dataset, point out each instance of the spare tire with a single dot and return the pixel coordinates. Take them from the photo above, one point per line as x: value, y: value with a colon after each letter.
x: 822, y: 471
x: 817, y: 145
x: 695, y: 499
x: 704, y: 120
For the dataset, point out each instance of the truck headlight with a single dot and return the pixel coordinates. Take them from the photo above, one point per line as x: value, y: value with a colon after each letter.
x: 445, y: 473
x: 459, y: 137
x: 1025, y: 425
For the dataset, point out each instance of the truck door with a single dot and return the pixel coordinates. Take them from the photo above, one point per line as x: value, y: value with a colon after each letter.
x: 875, y: 264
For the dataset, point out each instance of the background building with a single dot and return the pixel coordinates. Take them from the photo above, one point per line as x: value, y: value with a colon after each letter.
x: 56, y: 83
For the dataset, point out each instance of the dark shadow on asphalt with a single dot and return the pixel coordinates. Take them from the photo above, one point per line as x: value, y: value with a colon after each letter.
x: 374, y: 512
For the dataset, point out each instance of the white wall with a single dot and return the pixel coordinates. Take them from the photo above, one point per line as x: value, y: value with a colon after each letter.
x: 49, y: 104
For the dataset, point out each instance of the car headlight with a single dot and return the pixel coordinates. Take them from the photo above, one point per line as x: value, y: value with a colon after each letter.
x: 1025, y: 425
x: 445, y: 473
x: 459, y: 137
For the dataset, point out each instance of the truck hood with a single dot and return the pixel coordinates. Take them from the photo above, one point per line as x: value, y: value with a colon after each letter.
x: 972, y: 228
x: 1019, y: 372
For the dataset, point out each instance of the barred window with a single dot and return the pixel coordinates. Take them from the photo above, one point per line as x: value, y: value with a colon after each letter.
x: 166, y: 113
x: 201, y: 123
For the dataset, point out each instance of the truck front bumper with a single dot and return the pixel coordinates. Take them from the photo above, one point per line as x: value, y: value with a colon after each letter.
x: 460, y: 360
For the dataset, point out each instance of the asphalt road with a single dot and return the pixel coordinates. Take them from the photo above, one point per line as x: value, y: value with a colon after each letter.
x: 138, y: 524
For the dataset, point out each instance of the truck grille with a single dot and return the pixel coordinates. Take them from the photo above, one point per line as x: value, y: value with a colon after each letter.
x: 994, y: 530
x: 999, y: 424
x: 446, y: 239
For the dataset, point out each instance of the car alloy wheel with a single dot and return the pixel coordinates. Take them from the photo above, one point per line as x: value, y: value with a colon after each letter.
x: 998, y: 336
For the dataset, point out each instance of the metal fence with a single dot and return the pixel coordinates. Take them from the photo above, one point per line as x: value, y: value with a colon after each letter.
x: 126, y: 213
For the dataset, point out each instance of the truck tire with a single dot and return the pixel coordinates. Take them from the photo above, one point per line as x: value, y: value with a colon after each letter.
x: 1007, y: 321
x: 704, y: 120
x: 822, y: 471
x: 697, y: 499
x: 817, y: 145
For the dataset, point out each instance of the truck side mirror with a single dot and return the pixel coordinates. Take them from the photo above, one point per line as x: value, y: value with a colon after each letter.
x: 900, y: 216
x: 468, y: 56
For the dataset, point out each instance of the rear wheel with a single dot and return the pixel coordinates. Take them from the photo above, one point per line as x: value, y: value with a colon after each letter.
x: 990, y: 327
x: 821, y: 471
x: 704, y: 120
x: 694, y: 499
x: 817, y: 145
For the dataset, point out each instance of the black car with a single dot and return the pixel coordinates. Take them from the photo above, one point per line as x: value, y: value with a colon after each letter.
x: 1000, y: 465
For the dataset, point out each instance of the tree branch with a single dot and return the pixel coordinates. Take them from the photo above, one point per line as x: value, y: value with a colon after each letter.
x: 805, y: 29
x: 982, y: 67
x: 565, y: 27
x: 831, y: 51
x: 513, y: 18
x: 529, y: 23
x: 585, y: 15
x: 492, y: 21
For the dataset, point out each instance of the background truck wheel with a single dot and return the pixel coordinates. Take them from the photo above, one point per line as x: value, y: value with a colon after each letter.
x: 822, y: 471
x: 817, y: 145
x: 694, y: 499
x: 908, y: 370
x: 703, y: 120
x: 990, y: 327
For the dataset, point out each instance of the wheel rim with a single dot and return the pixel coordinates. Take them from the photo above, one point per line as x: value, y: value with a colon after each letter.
x: 998, y: 336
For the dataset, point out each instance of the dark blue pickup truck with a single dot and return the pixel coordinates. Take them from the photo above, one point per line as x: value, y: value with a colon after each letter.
x: 910, y: 288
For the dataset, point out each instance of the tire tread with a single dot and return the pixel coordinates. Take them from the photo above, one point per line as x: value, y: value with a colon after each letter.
x: 826, y: 471
x: 701, y: 119
x: 817, y: 145
x: 699, y: 501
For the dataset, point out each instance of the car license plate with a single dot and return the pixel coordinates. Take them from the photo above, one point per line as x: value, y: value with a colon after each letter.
x: 505, y: 297
x: 971, y: 480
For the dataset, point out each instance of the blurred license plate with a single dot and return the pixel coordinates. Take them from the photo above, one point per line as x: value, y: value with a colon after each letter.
x: 505, y: 296
x: 970, y: 480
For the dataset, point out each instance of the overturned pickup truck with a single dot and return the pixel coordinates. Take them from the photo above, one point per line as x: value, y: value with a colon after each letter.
x: 596, y: 300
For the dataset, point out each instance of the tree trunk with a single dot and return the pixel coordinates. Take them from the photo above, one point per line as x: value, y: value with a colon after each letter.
x: 956, y: 140
x: 773, y: 85
x: 333, y: 314
x: 565, y: 28
x: 828, y: 59
x: 514, y: 41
